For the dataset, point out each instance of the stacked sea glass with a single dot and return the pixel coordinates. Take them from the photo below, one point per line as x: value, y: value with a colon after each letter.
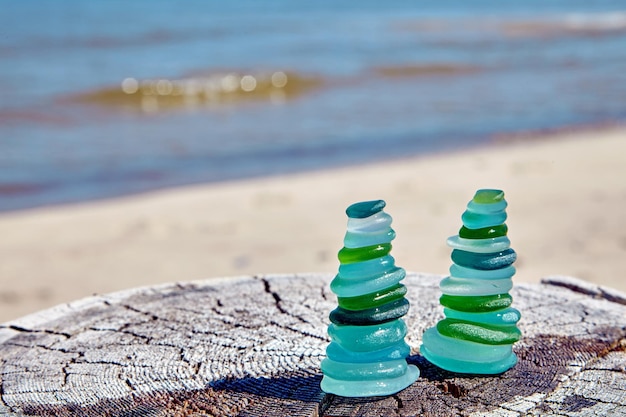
x: 479, y: 328
x: 367, y: 354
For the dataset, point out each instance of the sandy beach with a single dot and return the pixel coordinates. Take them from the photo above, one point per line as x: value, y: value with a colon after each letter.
x: 566, y: 194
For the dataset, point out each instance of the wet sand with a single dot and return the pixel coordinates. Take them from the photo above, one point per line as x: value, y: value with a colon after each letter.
x: 566, y: 194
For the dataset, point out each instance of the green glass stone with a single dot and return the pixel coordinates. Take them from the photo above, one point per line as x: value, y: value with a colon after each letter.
x: 477, y: 304
x: 487, y: 196
x: 365, y: 209
x: 386, y: 312
x: 374, y: 299
x: 484, y: 233
x: 484, y: 261
x: 351, y: 255
x: 480, y: 333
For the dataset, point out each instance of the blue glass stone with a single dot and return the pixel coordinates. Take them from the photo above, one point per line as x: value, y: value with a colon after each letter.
x: 473, y: 220
x: 386, y: 312
x: 486, y: 261
x: 365, y: 209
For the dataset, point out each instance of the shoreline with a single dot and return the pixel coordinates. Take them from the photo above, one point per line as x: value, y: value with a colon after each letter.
x: 566, y: 191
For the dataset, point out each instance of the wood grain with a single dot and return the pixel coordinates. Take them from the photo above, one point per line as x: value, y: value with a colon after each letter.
x: 251, y: 346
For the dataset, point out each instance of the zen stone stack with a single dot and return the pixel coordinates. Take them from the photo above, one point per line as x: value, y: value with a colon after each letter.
x: 367, y: 354
x: 479, y: 330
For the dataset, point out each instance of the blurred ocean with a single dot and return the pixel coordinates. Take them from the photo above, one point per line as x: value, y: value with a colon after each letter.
x: 104, y: 98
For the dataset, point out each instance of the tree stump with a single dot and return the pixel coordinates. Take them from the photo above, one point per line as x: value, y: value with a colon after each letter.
x: 252, y: 346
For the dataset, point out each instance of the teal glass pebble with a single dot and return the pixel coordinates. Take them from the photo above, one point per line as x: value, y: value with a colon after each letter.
x: 367, y: 354
x: 480, y: 326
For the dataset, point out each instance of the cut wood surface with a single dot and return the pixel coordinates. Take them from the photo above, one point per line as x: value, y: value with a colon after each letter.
x: 251, y: 346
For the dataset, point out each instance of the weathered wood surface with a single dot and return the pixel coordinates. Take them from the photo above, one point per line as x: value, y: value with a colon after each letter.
x: 252, y: 346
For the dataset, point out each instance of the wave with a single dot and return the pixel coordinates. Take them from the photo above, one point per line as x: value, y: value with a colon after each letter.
x: 564, y: 25
x: 201, y: 91
x: 602, y: 24
x: 416, y: 70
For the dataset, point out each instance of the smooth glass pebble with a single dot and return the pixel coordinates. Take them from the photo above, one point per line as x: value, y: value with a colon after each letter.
x: 367, y: 269
x: 370, y: 388
x: 488, y: 196
x: 349, y: 255
x: 493, y: 367
x: 475, y: 287
x: 486, y: 261
x: 375, y: 223
x: 473, y: 220
x: 365, y: 209
x: 505, y: 317
x: 484, y: 232
x: 338, y: 353
x: 372, y: 299
x: 479, y: 245
x: 487, y: 208
x: 386, y: 312
x: 363, y: 371
x: 459, y: 271
x: 359, y: 240
x: 350, y: 288
x: 463, y: 350
x: 366, y: 338
x: 476, y: 304
x: 479, y: 332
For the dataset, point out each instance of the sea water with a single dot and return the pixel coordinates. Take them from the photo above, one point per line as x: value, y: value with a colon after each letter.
x: 366, y: 80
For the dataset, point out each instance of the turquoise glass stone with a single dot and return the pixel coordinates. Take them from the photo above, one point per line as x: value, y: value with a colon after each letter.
x: 363, y: 371
x: 349, y: 255
x: 467, y: 357
x: 351, y: 288
x: 377, y: 222
x: 495, y: 244
x: 372, y: 299
x: 462, y: 350
x: 370, y: 388
x: 386, y: 312
x: 470, y: 367
x: 366, y: 338
x: 476, y: 304
x: 359, y: 240
x: 338, y: 353
x: 367, y: 269
x: 478, y: 332
x: 505, y: 317
x: 365, y: 209
x: 473, y: 220
x: 459, y: 271
x: 486, y: 261
x: 474, y: 287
